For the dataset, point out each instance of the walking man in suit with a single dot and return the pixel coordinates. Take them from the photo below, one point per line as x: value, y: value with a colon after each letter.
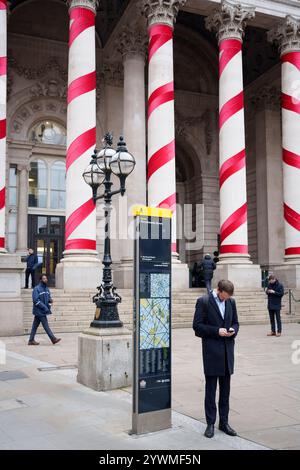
x: 216, y: 322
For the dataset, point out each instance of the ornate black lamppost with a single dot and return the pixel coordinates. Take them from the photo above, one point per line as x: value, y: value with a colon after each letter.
x: 121, y: 163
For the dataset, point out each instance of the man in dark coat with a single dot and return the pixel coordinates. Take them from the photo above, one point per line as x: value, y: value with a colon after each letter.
x: 216, y: 322
x: 42, y: 302
x: 274, y: 291
x: 31, y: 265
x: 208, y: 266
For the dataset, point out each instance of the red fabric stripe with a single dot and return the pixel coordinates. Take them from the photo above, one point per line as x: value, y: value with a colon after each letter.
x: 293, y: 58
x: 83, y: 19
x: 174, y: 247
x: 2, y: 198
x: 78, y: 216
x: 293, y: 250
x: 169, y: 203
x: 292, y: 217
x: 291, y: 158
x: 161, y: 157
x: 234, y: 221
x: 3, y: 4
x: 3, y: 65
x: 2, y: 239
x: 2, y: 128
x: 243, y: 249
x: 81, y: 244
x: 81, y: 85
x: 232, y: 165
x: 290, y: 102
x: 160, y: 96
x: 228, y: 49
x: 80, y: 145
x: 232, y: 106
x: 158, y: 36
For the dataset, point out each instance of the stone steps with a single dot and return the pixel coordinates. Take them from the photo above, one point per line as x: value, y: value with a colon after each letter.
x: 74, y: 311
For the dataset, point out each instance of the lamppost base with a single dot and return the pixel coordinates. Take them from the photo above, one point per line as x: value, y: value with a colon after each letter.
x: 106, y: 324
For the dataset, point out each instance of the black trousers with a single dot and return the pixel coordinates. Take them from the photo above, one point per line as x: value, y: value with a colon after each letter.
x: 36, y: 322
x: 272, y: 315
x: 210, y: 398
x: 29, y: 272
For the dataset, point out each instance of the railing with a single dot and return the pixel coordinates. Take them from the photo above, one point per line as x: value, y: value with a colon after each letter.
x: 291, y: 297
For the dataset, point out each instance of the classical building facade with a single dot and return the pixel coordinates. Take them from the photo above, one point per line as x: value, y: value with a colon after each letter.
x: 207, y: 95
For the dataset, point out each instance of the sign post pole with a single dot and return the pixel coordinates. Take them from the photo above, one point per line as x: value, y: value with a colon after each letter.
x: 152, y: 320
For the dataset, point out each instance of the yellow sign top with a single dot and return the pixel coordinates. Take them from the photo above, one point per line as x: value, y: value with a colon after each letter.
x: 151, y: 211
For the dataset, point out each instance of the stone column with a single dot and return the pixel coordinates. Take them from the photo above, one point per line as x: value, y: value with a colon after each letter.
x: 3, y: 86
x: 229, y: 23
x: 270, y: 232
x: 287, y: 36
x: 132, y: 45
x: 22, y: 209
x: 161, y: 16
x: 11, y: 268
x: 80, y: 267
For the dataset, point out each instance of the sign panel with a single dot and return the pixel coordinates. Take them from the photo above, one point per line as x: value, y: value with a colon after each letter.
x: 152, y: 319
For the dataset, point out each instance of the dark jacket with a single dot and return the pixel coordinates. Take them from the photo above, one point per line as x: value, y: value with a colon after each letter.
x: 207, y: 322
x: 41, y: 298
x: 208, y: 266
x: 32, y: 261
x: 274, y: 300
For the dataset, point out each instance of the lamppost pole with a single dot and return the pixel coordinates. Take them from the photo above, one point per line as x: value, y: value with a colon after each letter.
x: 102, y: 165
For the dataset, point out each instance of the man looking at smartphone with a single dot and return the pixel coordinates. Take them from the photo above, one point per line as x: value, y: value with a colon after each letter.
x: 216, y: 322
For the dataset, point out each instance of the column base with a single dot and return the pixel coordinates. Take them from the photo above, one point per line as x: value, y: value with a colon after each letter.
x: 243, y: 276
x: 289, y: 275
x: 11, y: 305
x: 180, y: 274
x: 105, y: 358
x: 78, y: 272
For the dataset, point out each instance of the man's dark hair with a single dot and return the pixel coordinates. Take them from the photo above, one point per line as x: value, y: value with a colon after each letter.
x: 226, y: 286
x: 42, y: 275
x: 272, y: 277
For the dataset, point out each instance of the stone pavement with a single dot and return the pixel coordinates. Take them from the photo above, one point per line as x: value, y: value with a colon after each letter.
x: 45, y: 408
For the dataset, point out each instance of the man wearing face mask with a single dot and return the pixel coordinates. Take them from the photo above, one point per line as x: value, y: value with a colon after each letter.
x: 274, y: 291
x: 216, y: 322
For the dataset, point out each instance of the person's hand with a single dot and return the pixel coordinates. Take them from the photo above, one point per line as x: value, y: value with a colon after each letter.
x: 230, y: 332
x: 223, y: 332
x: 271, y: 291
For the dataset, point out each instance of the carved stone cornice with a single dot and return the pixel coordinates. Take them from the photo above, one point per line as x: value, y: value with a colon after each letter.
x: 286, y: 35
x: 229, y: 20
x: 161, y: 11
x: 112, y: 73
x: 90, y: 4
x: 132, y: 41
x: 31, y: 73
x: 183, y: 125
x: 267, y: 97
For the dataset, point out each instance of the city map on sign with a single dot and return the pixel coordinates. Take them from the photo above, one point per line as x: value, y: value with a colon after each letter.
x: 154, y: 323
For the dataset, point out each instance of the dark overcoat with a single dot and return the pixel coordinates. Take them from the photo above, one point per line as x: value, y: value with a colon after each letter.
x: 216, y: 350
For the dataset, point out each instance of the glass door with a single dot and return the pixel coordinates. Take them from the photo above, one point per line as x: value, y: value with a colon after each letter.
x: 46, y: 237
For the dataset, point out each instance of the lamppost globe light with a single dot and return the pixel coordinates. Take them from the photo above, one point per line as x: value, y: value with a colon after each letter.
x: 93, y: 176
x: 122, y: 163
x: 104, y: 158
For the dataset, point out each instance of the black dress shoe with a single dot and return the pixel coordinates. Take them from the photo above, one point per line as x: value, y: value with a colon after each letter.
x: 227, y: 429
x: 209, y: 431
x: 55, y: 340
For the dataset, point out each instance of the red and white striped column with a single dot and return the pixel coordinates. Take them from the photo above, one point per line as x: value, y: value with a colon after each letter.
x: 229, y: 23
x: 288, y: 36
x: 161, y: 175
x: 81, y: 128
x: 3, y: 84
